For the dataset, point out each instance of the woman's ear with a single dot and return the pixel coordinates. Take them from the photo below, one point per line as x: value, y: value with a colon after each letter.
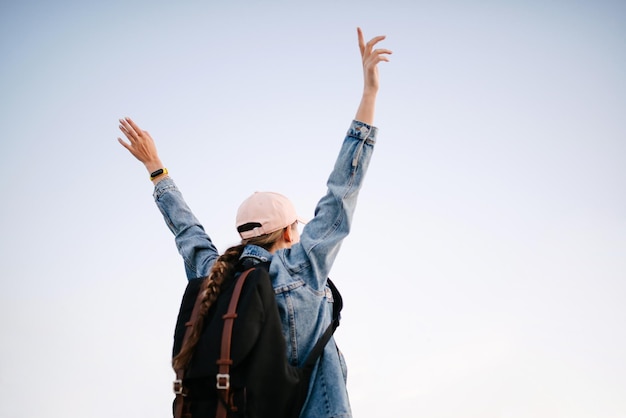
x: 288, y: 235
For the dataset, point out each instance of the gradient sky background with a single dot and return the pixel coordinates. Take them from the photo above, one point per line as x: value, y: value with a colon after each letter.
x: 486, y: 274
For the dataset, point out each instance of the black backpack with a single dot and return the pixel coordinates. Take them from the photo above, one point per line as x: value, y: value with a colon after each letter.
x: 246, y: 374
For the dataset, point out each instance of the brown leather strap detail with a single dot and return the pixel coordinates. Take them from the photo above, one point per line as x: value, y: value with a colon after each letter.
x: 223, y: 376
x: 179, y: 390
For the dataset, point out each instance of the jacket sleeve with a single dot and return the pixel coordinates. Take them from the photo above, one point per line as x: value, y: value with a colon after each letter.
x: 322, y: 237
x: 193, y: 243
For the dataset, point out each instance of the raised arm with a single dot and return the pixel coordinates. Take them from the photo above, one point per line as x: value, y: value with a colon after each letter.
x: 321, y: 238
x: 193, y: 243
x: 370, y: 57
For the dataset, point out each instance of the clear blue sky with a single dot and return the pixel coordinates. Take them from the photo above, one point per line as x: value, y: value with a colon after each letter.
x: 486, y: 274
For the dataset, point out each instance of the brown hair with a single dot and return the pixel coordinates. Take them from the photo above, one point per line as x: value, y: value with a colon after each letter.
x: 222, y: 270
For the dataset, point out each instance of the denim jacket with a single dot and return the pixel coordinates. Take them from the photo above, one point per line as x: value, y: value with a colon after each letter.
x: 298, y: 273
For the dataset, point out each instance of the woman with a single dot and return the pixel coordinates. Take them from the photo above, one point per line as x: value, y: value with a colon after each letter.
x: 267, y: 224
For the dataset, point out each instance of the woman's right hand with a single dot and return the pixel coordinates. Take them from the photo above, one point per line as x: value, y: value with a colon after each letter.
x: 140, y: 145
x: 371, y: 57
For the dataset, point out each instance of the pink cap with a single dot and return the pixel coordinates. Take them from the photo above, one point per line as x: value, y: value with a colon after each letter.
x: 265, y: 212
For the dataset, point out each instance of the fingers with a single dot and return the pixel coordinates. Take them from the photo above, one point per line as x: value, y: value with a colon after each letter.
x: 130, y: 129
x: 381, y: 54
x: 367, y: 48
x: 138, y: 131
x: 370, y: 51
x: 124, y: 144
x: 361, y: 40
x: 374, y: 41
x: 133, y: 133
x: 126, y: 130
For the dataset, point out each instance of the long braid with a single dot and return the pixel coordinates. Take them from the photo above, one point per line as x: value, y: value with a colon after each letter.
x: 222, y: 269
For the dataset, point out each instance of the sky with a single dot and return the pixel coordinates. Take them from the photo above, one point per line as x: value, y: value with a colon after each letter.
x: 486, y: 272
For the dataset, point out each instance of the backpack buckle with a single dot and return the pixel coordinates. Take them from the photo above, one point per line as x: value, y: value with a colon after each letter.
x: 178, y: 387
x: 223, y: 381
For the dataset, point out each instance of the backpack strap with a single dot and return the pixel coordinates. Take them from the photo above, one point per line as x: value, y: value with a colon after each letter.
x: 318, y: 348
x: 224, y: 363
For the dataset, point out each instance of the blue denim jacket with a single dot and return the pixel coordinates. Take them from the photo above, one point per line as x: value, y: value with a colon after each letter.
x: 298, y: 273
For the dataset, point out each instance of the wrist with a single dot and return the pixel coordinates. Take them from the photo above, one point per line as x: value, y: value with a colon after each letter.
x: 366, y: 110
x: 153, y: 166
